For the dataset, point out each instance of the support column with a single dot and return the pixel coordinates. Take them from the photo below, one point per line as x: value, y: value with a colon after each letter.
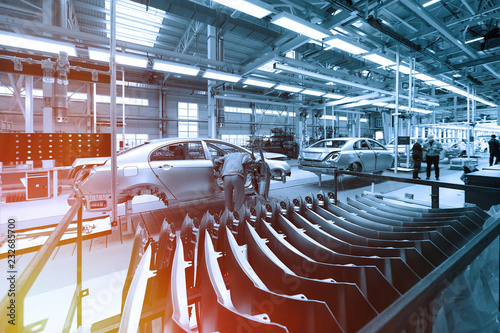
x: 28, y: 104
x: 112, y: 116
x: 396, y: 114
x: 212, y: 103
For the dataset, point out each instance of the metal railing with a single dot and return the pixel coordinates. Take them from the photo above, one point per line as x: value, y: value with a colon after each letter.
x: 435, y: 186
x: 34, y: 268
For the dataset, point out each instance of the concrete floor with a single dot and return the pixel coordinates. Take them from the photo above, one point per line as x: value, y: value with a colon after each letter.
x: 106, y: 259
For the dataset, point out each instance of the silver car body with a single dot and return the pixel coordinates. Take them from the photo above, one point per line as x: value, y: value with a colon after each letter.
x: 354, y: 154
x: 173, y: 169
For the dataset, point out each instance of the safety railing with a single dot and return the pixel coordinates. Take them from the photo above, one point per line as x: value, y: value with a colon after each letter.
x: 29, y: 275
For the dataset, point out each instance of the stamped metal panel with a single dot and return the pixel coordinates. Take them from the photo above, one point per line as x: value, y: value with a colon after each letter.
x: 428, y: 249
x: 379, y: 292
x: 375, y: 222
x: 315, y: 232
x: 217, y: 313
x: 132, y: 310
x: 349, y: 306
x: 313, y: 249
x: 250, y: 296
x: 458, y: 220
x: 451, y: 234
x: 414, y: 259
x: 178, y: 310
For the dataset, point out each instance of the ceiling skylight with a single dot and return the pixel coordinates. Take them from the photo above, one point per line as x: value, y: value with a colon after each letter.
x: 134, y: 23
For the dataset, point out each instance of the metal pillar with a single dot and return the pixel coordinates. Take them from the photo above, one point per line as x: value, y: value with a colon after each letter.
x: 94, y: 106
x: 79, y: 269
x: 112, y: 115
x: 28, y: 103
x: 123, y: 107
x: 396, y: 115
x: 212, y: 103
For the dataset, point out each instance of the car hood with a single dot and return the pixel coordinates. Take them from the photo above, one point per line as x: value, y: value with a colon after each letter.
x: 89, y: 161
x: 317, y: 154
x: 274, y: 156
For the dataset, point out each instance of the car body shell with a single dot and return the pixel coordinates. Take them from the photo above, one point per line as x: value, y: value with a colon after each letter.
x: 354, y: 154
x: 154, y: 169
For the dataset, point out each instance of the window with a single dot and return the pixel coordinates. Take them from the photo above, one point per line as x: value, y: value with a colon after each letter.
x: 237, y: 139
x: 179, y: 152
x: 376, y: 146
x: 361, y: 145
x: 188, y: 129
x: 218, y: 149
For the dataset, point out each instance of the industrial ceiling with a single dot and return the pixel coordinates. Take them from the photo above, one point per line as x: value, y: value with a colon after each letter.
x: 452, y: 47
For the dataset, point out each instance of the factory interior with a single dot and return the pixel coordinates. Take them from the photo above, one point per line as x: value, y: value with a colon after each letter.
x: 117, y: 118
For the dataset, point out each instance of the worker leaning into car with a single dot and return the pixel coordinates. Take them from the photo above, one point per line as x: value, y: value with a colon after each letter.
x: 432, y: 149
x: 233, y: 174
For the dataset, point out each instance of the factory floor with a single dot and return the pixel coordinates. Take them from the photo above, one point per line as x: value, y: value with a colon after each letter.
x: 106, y: 259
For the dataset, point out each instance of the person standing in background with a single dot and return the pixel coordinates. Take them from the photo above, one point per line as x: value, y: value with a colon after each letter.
x: 417, y: 158
x: 432, y: 149
x: 494, y: 149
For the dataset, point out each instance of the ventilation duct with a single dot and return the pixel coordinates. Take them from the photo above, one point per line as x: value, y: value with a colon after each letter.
x: 60, y: 102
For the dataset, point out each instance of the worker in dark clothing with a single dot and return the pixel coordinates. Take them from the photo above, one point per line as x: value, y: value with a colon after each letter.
x: 433, y: 150
x: 417, y: 158
x: 494, y: 149
x: 233, y: 174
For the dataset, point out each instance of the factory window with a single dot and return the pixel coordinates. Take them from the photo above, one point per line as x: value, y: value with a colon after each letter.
x: 189, y: 111
x: 237, y: 139
x: 237, y: 110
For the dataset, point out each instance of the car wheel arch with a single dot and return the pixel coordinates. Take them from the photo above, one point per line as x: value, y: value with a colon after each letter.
x: 144, y: 189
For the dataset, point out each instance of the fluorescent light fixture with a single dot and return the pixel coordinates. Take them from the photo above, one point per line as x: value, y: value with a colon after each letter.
x: 430, y: 3
x: 403, y: 69
x: 254, y: 8
x: 288, y: 88
x: 122, y: 59
x: 166, y: 66
x: 300, y: 26
x: 359, y: 103
x: 380, y: 104
x: 312, y: 92
x: 345, y: 46
x: 474, y: 40
x: 36, y: 44
x: 100, y: 55
x: 342, y: 118
x: 379, y: 59
x: 334, y: 96
x: 131, y: 60
x: 259, y: 83
x: 209, y: 74
x: 457, y: 75
x: 424, y: 77
x: 422, y: 111
x: 363, y: 120
x: 336, y: 30
x: 437, y: 83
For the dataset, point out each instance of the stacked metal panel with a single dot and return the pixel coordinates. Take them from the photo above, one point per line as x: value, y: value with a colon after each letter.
x: 307, y: 264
